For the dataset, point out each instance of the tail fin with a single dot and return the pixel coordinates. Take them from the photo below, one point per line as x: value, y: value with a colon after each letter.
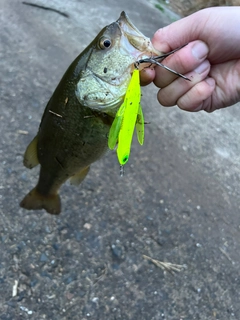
x: 34, y: 201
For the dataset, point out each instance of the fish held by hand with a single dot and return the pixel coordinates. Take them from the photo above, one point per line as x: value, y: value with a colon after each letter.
x: 74, y: 129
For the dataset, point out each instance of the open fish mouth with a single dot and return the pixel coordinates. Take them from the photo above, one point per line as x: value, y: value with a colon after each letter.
x: 134, y: 41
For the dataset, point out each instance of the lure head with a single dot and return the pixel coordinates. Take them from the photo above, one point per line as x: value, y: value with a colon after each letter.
x: 109, y: 61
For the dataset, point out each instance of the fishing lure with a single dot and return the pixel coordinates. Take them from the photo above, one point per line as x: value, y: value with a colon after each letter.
x: 128, y: 116
x: 130, y: 112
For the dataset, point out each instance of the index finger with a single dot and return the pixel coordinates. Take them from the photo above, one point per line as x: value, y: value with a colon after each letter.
x: 182, y: 61
x: 217, y: 27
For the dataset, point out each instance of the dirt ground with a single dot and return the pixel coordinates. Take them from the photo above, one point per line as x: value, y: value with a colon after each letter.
x: 178, y: 201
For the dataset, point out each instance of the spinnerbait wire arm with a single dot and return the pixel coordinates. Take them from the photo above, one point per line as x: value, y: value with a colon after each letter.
x: 153, y: 60
x: 165, y: 55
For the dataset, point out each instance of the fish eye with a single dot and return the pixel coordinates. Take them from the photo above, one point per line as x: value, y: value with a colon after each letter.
x: 105, y: 43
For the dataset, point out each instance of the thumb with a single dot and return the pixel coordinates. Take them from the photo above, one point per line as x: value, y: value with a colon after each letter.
x: 175, y: 35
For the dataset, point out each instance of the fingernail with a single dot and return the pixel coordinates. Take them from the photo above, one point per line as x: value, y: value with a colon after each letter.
x: 210, y: 81
x: 202, y: 67
x: 200, y: 50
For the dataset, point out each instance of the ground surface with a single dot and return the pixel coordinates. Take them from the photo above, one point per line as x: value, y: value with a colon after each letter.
x: 178, y: 201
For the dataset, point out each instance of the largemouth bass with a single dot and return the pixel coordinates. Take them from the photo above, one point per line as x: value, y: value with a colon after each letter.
x: 74, y: 129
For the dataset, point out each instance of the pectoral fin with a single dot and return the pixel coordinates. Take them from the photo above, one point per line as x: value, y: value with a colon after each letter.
x: 30, y: 157
x: 79, y: 176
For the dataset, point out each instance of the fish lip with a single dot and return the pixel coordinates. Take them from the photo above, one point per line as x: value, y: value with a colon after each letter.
x: 142, y: 44
x: 126, y: 24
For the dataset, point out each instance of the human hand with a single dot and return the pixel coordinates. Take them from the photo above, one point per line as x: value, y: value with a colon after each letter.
x: 211, y: 60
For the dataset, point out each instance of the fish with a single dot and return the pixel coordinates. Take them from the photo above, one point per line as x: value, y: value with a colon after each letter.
x: 74, y: 128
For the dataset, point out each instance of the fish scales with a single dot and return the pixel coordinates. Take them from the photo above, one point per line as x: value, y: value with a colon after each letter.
x: 74, y: 129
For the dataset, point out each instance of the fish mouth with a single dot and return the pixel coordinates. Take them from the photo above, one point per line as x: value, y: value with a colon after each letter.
x: 104, y: 80
x: 134, y: 41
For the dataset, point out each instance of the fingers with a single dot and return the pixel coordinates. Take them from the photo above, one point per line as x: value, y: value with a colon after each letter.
x: 147, y: 76
x: 217, y: 26
x: 198, y: 97
x: 188, y: 95
x: 179, y: 32
x: 182, y: 61
x: 205, y: 61
x: 170, y: 95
